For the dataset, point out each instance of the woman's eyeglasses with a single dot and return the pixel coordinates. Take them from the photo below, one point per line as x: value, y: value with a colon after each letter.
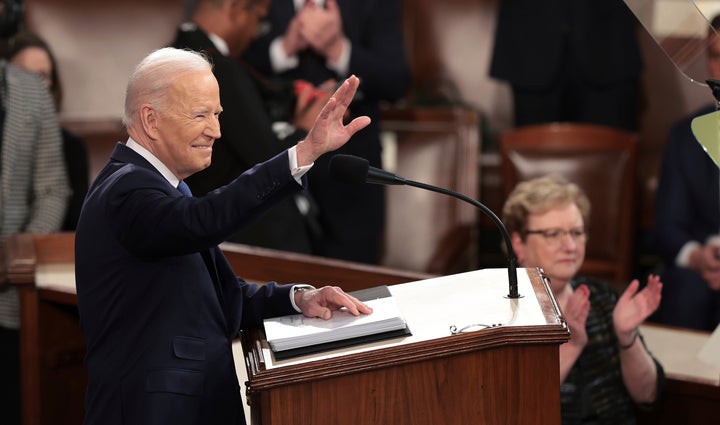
x: 555, y: 236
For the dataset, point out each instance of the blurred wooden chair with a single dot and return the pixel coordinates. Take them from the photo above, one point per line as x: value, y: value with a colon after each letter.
x: 603, y: 162
x: 426, y: 231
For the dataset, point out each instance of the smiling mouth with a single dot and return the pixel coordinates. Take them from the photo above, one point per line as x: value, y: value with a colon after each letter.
x: 203, y: 147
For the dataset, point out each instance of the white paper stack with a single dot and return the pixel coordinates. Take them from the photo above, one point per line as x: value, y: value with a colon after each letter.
x: 295, y: 331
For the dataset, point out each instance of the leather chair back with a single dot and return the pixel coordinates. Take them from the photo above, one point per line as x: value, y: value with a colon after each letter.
x: 603, y: 162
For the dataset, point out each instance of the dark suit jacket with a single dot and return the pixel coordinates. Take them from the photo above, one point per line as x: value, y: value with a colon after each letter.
x: 532, y: 38
x: 159, y: 304
x: 688, y: 194
x: 247, y: 139
x: 353, y: 217
x: 76, y: 160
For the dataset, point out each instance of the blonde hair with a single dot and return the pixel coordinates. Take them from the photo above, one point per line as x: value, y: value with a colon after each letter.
x: 540, y: 195
x: 151, y: 78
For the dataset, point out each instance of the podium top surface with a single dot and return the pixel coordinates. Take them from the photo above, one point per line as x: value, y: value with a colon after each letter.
x: 472, y: 302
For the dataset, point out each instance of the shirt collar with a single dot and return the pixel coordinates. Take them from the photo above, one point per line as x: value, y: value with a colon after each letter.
x: 154, y: 161
x: 220, y: 44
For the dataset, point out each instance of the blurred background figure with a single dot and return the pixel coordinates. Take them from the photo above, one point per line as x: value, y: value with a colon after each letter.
x: 569, y: 61
x: 320, y: 40
x: 35, y: 191
x: 606, y: 370
x: 30, y: 52
x: 222, y: 29
x: 686, y: 231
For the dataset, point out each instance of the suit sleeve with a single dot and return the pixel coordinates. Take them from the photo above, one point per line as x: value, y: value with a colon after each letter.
x: 151, y: 218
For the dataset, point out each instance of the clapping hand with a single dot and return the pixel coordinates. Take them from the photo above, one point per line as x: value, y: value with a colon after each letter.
x: 634, y: 307
x: 576, y: 313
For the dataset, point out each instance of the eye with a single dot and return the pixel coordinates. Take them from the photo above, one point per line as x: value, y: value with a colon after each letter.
x: 552, y: 234
x: 576, y: 233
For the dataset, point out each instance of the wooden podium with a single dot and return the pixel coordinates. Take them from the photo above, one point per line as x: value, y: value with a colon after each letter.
x: 502, y: 369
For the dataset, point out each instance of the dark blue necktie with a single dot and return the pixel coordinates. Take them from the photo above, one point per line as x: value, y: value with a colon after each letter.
x: 184, y: 189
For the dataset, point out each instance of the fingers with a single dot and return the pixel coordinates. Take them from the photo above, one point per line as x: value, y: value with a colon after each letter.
x: 578, y: 305
x: 341, y: 299
x: 342, y: 98
x: 346, y: 91
x: 330, y: 298
x: 358, y: 124
x: 630, y: 291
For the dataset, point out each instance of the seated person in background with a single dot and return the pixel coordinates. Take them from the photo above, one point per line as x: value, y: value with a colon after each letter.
x: 30, y: 52
x: 686, y: 232
x: 605, y: 368
x: 159, y: 304
x: 222, y: 29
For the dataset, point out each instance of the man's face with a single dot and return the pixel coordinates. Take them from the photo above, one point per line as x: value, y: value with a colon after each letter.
x: 246, y: 20
x: 560, y: 256
x: 189, y: 125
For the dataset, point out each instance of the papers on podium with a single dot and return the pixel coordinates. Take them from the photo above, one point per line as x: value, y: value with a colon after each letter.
x: 293, y: 335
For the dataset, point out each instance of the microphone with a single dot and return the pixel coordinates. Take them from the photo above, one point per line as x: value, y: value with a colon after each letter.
x: 355, y: 170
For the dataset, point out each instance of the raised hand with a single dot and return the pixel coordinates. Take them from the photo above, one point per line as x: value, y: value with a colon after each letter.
x: 634, y: 307
x: 329, y: 131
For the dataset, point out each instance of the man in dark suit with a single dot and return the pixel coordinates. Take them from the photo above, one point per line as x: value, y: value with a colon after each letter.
x: 569, y: 61
x: 686, y: 232
x: 159, y: 304
x: 687, y: 216
x: 319, y: 40
x: 222, y: 30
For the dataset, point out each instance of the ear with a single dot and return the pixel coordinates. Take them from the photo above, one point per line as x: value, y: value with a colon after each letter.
x: 518, y: 246
x: 149, y: 119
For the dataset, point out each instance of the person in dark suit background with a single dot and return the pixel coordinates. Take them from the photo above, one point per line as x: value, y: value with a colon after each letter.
x: 30, y: 52
x: 159, y: 304
x: 686, y: 230
x: 320, y: 40
x: 222, y: 29
x: 573, y: 61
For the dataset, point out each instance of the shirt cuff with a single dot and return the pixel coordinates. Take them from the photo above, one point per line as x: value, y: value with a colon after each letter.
x: 295, y: 171
x: 279, y: 60
x: 296, y: 288
x: 683, y: 257
x: 342, y: 65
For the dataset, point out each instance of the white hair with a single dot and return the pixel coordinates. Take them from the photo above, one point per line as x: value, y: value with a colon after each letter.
x: 153, y: 75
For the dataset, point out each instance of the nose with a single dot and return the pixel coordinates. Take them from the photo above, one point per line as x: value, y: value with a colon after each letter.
x: 213, y: 130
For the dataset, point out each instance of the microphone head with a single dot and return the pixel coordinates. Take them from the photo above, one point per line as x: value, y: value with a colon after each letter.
x: 349, y: 169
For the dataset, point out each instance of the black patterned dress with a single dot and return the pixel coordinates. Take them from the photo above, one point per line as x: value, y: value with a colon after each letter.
x: 593, y: 392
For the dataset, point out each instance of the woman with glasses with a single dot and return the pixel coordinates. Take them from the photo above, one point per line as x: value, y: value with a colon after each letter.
x: 605, y: 369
